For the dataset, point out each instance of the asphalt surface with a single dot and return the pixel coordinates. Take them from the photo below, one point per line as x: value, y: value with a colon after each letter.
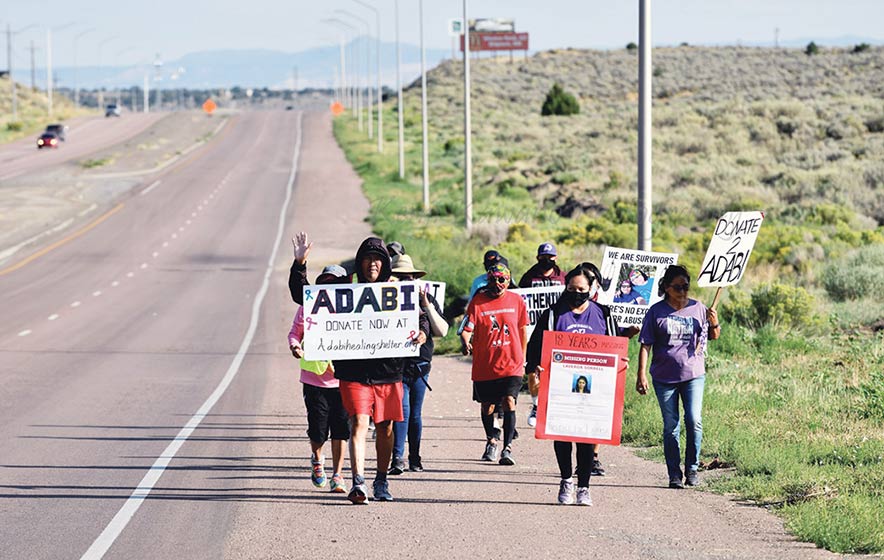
x: 111, y: 344
x: 84, y: 136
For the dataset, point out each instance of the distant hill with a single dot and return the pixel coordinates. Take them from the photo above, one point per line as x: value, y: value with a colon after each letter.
x: 250, y: 68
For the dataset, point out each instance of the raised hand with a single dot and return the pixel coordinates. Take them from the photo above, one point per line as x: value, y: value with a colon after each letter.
x: 301, y: 245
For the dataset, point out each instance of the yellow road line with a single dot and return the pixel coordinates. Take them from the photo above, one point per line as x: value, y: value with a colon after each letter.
x: 61, y: 242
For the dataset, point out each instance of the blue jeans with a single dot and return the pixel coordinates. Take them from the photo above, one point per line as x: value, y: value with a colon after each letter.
x: 691, y: 394
x: 413, y: 391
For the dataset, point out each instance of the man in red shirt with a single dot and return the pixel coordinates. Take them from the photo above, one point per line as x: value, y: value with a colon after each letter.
x: 496, y: 334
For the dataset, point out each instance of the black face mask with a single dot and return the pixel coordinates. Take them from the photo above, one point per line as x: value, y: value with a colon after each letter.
x: 576, y: 299
x: 546, y: 264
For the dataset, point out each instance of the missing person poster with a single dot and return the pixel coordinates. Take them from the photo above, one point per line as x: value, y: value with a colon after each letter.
x: 629, y: 282
x: 581, y: 388
x: 351, y: 321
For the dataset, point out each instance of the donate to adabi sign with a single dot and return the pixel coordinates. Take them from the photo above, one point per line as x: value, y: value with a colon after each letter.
x: 361, y: 321
x: 729, y: 250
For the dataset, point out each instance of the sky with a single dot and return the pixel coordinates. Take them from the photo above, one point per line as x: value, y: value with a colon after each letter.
x: 138, y: 31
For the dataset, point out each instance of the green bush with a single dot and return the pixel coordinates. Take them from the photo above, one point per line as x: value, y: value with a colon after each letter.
x: 630, y: 46
x: 771, y: 304
x: 855, y: 275
x: 811, y: 49
x: 862, y: 47
x: 14, y: 126
x: 559, y: 102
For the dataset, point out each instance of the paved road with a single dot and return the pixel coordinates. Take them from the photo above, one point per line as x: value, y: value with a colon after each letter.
x: 111, y: 343
x: 85, y: 136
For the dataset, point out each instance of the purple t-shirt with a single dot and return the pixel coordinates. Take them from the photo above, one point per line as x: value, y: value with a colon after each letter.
x: 591, y: 321
x: 678, y: 339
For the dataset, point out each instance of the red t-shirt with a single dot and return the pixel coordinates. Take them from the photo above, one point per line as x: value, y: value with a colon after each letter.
x: 496, y: 324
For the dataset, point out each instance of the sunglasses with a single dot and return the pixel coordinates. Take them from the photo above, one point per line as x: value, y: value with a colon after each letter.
x: 501, y: 279
x: 680, y: 287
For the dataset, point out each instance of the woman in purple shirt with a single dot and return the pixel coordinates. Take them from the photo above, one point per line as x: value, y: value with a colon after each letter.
x: 675, y: 332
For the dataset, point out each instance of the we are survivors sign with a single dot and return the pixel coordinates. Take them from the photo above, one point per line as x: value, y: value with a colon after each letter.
x: 630, y: 281
x: 361, y: 320
x: 728, y: 253
x: 581, y: 388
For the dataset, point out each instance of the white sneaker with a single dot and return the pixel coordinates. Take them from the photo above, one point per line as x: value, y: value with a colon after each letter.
x: 583, y: 497
x: 566, y: 492
x: 532, y: 416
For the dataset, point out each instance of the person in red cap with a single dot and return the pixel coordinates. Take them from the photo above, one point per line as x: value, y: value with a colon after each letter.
x: 496, y: 335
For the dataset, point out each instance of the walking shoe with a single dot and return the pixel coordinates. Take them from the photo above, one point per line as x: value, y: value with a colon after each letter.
x: 676, y: 483
x: 338, y: 486
x: 583, y: 497
x: 597, y: 469
x: 318, y: 474
x: 358, y: 494
x: 397, y: 466
x: 506, y: 457
x: 490, y: 452
x: 515, y: 434
x: 415, y: 466
x: 381, y: 490
x: 532, y: 416
x: 566, y: 492
x: 691, y: 479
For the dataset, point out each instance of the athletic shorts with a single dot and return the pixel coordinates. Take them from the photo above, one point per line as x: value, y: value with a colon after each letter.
x: 382, y: 402
x: 496, y: 389
x: 325, y: 414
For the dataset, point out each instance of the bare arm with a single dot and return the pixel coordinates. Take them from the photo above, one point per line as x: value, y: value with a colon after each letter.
x: 641, y: 382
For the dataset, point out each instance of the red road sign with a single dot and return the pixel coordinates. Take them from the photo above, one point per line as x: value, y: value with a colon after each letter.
x: 497, y: 42
x: 337, y: 108
x: 209, y: 106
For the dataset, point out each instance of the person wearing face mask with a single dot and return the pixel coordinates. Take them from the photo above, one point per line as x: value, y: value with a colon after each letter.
x: 496, y: 335
x: 546, y: 272
x: 575, y: 312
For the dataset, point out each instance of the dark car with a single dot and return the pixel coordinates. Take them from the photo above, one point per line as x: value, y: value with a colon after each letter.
x: 58, y: 130
x: 112, y: 110
x: 47, y: 140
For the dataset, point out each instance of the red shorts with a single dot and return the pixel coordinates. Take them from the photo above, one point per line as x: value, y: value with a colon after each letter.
x: 381, y: 402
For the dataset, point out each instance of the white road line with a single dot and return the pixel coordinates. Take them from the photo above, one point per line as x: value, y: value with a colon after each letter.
x: 152, y: 186
x: 155, y: 254
x: 130, y: 274
x: 143, y: 266
x: 96, y: 293
x: 187, y: 222
x: 181, y: 228
x: 114, y: 284
x: 52, y: 317
x: 193, y: 214
x: 86, y: 211
x: 174, y: 236
x: 75, y: 304
x: 116, y: 526
x: 165, y: 243
x: 25, y: 332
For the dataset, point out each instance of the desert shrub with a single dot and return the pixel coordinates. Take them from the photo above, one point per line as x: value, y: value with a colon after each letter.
x: 630, y: 46
x: 771, y: 304
x: 862, y: 47
x: 811, y: 49
x: 875, y: 125
x: 14, y: 126
x: 855, y: 275
x: 559, y: 102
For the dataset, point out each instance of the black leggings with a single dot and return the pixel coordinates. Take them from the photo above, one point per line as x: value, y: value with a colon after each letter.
x: 584, y: 461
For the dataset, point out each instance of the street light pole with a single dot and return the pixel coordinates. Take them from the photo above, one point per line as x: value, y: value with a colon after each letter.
x: 467, y: 126
x: 364, y: 74
x: 101, y: 45
x: 644, y: 127
x: 9, y: 34
x: 49, y: 63
x: 399, y: 95
x: 425, y: 148
x: 76, y: 68
x: 378, y: 94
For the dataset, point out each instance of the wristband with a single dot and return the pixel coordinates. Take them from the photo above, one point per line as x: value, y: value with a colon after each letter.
x: 714, y: 326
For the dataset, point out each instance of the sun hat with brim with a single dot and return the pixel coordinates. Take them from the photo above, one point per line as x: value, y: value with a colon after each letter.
x: 402, y: 264
x: 331, y: 273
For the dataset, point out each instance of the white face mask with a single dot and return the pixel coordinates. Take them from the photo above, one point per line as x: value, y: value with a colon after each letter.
x: 594, y: 290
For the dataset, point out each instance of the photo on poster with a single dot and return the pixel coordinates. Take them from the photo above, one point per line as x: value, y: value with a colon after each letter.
x: 635, y: 284
x: 582, y: 384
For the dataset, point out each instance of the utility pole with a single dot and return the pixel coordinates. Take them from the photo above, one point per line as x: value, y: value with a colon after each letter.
x: 49, y: 69
x: 76, y: 68
x: 644, y: 126
x: 365, y: 71
x: 33, y: 67
x: 9, y: 34
x: 467, y: 127
x: 399, y: 94
x: 146, y: 92
x: 425, y: 148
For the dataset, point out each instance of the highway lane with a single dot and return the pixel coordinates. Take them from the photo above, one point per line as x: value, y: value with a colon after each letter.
x: 112, y: 341
x: 85, y: 136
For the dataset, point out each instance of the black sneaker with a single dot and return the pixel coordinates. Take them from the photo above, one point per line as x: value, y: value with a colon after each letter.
x: 597, y: 469
x: 677, y: 484
x: 490, y: 454
x: 515, y: 434
x: 506, y: 457
x: 415, y: 466
x: 692, y: 479
x: 397, y: 466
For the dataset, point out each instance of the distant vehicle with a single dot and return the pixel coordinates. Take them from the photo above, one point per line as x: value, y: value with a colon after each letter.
x: 112, y: 110
x: 58, y: 130
x: 47, y: 140
x: 289, y: 108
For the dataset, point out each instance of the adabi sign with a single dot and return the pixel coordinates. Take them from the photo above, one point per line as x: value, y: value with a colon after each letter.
x: 728, y: 253
x: 361, y: 321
